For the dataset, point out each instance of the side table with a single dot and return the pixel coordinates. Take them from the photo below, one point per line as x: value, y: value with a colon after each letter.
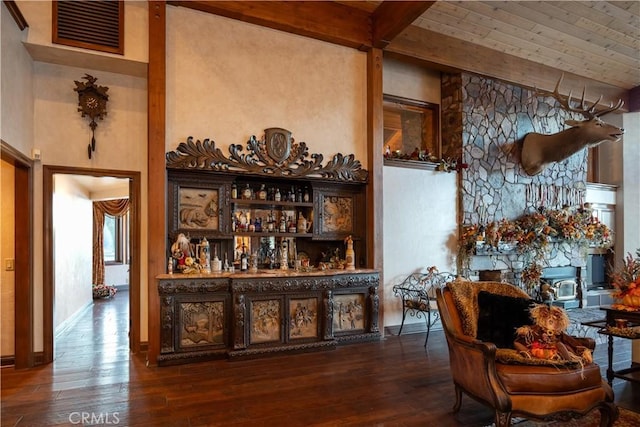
x: 612, y: 328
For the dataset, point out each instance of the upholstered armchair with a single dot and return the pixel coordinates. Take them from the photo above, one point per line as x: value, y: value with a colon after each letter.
x: 500, y: 379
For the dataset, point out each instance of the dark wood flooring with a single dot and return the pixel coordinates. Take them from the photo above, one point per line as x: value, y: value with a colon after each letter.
x: 393, y: 382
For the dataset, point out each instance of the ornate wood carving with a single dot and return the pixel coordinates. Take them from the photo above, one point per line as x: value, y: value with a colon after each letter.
x: 166, y: 325
x: 328, y: 315
x: 275, y: 155
x: 239, y: 308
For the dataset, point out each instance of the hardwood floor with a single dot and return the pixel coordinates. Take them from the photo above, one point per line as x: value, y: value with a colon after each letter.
x: 394, y: 382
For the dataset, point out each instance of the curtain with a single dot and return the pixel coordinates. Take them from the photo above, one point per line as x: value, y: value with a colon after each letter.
x: 117, y: 207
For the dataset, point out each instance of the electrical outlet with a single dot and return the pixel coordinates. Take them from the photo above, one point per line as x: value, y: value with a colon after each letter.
x: 9, y: 264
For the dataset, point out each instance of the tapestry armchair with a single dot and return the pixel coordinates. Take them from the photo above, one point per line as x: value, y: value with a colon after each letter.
x: 503, y: 380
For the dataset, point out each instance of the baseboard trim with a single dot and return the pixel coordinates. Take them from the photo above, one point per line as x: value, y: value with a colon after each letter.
x: 7, y: 360
x: 411, y: 328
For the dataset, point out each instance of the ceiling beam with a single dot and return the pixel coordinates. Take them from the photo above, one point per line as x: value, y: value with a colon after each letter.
x: 392, y: 17
x: 449, y: 54
x: 327, y: 21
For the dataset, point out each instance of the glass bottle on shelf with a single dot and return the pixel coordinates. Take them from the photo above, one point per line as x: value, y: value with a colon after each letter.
x: 283, y: 223
x: 247, y: 194
x: 244, y: 262
x: 234, y: 191
x: 262, y: 194
x: 277, y: 197
x: 305, y: 196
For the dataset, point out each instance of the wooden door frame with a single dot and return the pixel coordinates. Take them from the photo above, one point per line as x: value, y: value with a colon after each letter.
x: 134, y: 239
x: 23, y: 297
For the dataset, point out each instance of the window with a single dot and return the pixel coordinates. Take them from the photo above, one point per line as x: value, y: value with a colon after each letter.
x: 116, y: 239
x: 411, y: 129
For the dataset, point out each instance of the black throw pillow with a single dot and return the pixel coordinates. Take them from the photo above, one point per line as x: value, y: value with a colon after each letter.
x: 499, y: 316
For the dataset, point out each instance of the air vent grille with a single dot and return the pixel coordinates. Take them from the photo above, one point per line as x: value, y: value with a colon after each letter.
x: 96, y: 24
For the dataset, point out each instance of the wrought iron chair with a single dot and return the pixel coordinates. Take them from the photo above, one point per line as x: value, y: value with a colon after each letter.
x: 418, y: 294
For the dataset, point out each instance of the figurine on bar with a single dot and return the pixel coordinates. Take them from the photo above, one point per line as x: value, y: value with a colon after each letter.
x: 350, y: 254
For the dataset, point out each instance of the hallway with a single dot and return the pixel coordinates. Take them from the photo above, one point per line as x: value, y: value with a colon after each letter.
x: 97, y: 341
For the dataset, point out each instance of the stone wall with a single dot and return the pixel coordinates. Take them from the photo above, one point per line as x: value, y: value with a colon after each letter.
x: 495, y: 118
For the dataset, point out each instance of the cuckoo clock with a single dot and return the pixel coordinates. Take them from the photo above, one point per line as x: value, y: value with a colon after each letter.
x: 92, y: 103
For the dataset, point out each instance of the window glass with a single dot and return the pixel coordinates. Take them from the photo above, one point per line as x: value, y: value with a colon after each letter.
x: 109, y: 238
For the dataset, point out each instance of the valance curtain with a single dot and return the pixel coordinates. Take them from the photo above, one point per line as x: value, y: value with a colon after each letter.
x: 116, y: 207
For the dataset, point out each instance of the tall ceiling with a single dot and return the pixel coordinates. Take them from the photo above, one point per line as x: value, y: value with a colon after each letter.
x: 595, y: 39
x: 596, y: 44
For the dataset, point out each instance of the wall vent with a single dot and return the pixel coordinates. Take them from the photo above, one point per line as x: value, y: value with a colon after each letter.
x: 96, y: 24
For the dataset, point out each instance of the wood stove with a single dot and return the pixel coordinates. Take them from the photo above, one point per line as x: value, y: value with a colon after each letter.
x: 564, y: 282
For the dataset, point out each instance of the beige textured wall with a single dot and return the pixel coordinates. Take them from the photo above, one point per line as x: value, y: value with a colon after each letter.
x: 7, y: 251
x: 411, y: 81
x: 16, y: 97
x: 227, y: 80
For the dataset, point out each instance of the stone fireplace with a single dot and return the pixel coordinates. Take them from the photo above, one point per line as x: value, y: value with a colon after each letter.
x: 494, y: 118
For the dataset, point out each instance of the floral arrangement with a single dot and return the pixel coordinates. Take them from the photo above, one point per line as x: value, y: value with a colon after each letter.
x: 443, y: 164
x: 103, y: 291
x: 534, y: 231
x: 531, y: 234
x: 626, y: 281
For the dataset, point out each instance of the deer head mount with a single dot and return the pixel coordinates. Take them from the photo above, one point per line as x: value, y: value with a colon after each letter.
x: 538, y: 150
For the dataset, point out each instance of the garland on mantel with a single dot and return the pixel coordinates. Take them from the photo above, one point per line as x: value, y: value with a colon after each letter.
x: 531, y: 234
x: 275, y: 155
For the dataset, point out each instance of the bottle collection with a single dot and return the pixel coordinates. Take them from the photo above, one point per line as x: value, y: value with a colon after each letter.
x: 276, y: 194
x: 282, y: 221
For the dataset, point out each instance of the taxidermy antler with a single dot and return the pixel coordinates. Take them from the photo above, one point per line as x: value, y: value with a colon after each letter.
x: 539, y: 150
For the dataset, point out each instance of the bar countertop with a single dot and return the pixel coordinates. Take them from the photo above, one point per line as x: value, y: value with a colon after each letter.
x: 265, y: 274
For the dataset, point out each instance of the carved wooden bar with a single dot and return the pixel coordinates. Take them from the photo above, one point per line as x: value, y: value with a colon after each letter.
x: 241, y: 315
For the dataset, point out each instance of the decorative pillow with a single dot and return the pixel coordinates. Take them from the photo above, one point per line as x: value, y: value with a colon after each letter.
x: 499, y: 316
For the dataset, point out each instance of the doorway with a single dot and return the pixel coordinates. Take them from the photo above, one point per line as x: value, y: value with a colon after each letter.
x: 64, y: 263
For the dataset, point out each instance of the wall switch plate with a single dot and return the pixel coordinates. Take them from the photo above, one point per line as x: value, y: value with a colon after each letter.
x: 9, y: 264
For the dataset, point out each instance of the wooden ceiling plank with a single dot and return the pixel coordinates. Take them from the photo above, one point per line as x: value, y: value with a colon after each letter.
x: 498, y: 16
x: 326, y: 21
x: 631, y: 58
x: 629, y: 25
x: 392, y: 17
x: 611, y: 34
x: 444, y: 21
x: 448, y: 53
x: 579, y: 58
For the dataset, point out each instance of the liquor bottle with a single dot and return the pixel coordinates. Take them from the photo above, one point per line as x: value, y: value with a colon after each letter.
x: 283, y: 223
x: 247, y: 194
x: 292, y: 194
x: 277, y: 196
x: 299, y: 197
x: 305, y: 196
x: 234, y: 191
x: 244, y: 261
x: 170, y: 265
x: 262, y: 194
x: 216, y: 264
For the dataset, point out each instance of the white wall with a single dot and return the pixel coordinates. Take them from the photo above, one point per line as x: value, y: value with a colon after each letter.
x: 420, y: 208
x: 73, y: 248
x: 420, y: 231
